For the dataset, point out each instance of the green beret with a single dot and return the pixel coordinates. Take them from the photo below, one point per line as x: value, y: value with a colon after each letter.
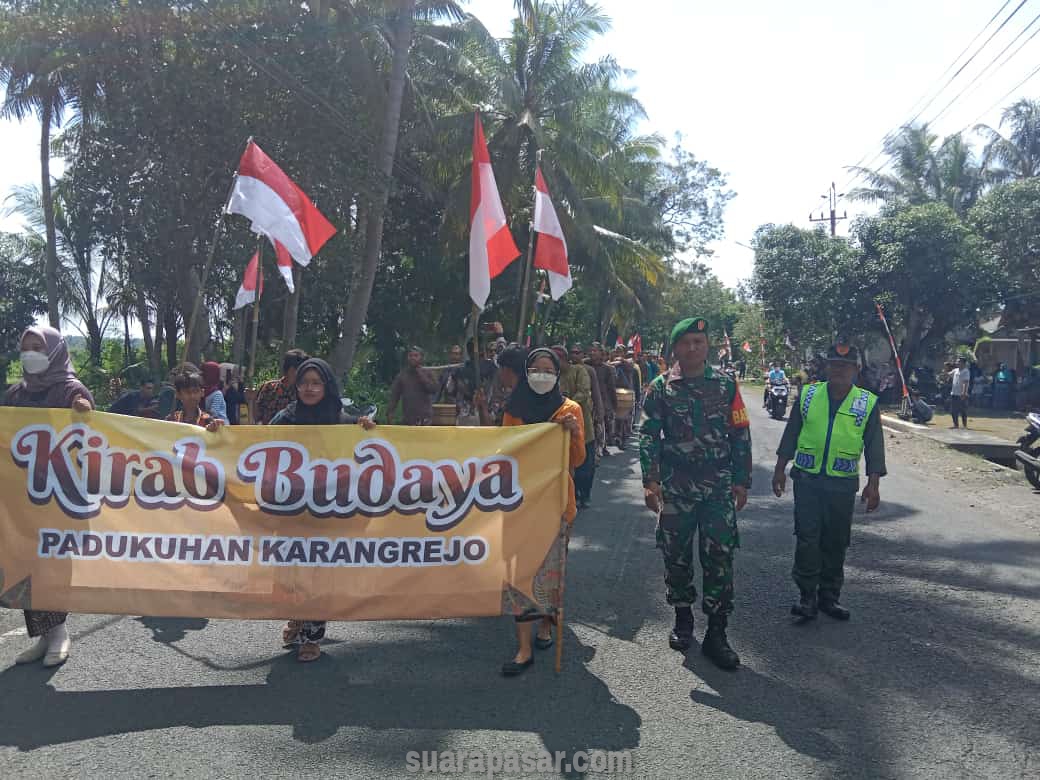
x: 689, y: 325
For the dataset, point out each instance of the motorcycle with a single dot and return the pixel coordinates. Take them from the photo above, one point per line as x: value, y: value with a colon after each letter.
x: 778, y: 401
x: 1029, y: 453
x: 359, y: 409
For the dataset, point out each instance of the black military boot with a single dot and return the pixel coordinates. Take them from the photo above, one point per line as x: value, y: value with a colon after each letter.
x: 682, y: 635
x: 806, y: 608
x: 829, y: 606
x: 715, y: 645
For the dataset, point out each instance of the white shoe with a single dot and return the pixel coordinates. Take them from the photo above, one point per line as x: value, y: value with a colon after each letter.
x: 34, y: 653
x: 58, y: 644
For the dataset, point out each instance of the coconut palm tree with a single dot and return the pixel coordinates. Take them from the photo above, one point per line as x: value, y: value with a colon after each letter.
x: 922, y: 170
x: 1017, y: 154
x: 38, y: 70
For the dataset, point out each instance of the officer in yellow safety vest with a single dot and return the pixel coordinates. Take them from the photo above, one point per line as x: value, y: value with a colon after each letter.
x: 833, y: 424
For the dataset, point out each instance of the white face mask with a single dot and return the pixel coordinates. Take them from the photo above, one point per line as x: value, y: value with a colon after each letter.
x: 541, y: 382
x: 34, y: 362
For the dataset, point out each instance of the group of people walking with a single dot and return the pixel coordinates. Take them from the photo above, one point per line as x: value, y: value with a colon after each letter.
x: 695, y: 455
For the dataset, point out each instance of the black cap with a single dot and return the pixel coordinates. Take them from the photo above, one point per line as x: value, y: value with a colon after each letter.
x: 843, y: 353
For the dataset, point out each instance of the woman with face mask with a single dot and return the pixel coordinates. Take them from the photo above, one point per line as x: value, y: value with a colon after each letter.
x: 317, y: 403
x: 48, y: 382
x: 537, y: 399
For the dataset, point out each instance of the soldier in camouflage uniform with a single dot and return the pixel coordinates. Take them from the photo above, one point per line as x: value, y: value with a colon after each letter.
x: 695, y: 452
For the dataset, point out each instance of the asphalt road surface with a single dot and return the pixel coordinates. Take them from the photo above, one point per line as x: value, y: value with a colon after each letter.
x: 936, y: 676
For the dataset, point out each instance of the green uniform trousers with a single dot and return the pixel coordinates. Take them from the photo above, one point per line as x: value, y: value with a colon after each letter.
x: 823, y: 528
x: 714, y: 521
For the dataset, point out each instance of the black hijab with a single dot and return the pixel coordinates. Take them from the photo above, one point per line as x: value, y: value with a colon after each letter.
x: 525, y: 404
x: 329, y: 409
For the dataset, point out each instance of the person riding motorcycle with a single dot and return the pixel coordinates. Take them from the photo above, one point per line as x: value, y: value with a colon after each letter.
x: 776, y: 376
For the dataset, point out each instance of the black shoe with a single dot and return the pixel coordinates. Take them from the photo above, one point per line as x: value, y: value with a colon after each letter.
x: 543, y: 644
x: 806, y: 608
x: 681, y: 636
x: 512, y: 668
x: 835, y: 610
x: 715, y: 645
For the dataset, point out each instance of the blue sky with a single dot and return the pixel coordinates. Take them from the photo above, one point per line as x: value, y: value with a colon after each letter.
x: 779, y: 95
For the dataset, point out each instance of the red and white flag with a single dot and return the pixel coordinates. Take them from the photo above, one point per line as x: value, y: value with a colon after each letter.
x: 247, y: 290
x: 491, y: 245
x: 550, y: 253
x: 277, y: 207
x: 746, y: 346
x: 284, y: 264
x: 635, y: 343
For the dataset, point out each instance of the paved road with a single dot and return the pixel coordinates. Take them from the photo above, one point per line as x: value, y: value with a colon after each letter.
x: 937, y: 675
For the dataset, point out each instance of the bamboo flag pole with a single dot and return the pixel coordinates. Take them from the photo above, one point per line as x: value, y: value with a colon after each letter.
x: 209, y: 263
x: 474, y: 324
x: 256, y: 303
x: 525, y: 277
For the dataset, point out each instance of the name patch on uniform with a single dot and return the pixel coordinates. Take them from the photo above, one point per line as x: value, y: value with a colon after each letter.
x: 805, y: 460
x: 845, y: 466
x: 738, y: 416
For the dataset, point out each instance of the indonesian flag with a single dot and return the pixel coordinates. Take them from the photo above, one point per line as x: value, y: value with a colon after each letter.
x: 247, y: 290
x: 551, y: 252
x: 636, y: 345
x: 284, y: 265
x: 491, y: 245
x: 277, y: 207
x: 746, y: 346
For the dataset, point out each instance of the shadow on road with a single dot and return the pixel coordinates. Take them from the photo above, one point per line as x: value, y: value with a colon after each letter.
x: 410, y: 692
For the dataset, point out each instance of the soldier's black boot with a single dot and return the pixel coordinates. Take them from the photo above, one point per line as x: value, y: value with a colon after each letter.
x: 716, y: 646
x: 681, y: 636
x: 806, y: 608
x: 829, y: 606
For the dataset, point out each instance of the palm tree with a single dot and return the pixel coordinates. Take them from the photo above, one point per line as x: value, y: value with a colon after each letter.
x: 1018, y: 153
x: 38, y: 73
x: 920, y: 171
x: 536, y: 95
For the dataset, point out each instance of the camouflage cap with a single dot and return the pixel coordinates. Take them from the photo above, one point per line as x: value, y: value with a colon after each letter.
x: 843, y: 353
x: 689, y: 325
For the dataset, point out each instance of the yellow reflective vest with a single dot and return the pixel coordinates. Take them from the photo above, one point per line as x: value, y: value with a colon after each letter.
x: 839, y: 442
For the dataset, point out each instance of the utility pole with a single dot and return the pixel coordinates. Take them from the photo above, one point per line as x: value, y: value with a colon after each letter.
x: 832, y: 198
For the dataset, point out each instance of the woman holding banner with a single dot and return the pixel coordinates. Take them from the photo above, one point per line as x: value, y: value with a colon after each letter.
x: 317, y: 403
x: 537, y: 399
x: 48, y: 382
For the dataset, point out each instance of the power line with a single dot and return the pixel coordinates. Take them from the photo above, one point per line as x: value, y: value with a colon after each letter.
x: 990, y: 65
x: 949, y: 67
x: 888, y: 136
x: 1008, y: 94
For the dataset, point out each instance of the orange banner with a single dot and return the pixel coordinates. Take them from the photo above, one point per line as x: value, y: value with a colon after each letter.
x: 109, y: 514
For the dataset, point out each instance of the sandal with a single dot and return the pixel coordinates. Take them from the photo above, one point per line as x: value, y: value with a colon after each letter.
x: 290, y: 633
x: 309, y: 651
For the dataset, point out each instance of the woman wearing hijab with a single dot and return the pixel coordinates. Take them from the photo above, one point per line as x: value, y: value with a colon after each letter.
x: 48, y: 382
x: 537, y: 399
x: 317, y: 403
x: 212, y: 395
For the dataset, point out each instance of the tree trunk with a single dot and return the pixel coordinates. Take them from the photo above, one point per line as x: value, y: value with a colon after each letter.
x: 357, y: 306
x: 190, y: 288
x: 170, y: 328
x: 50, y: 270
x: 241, y: 328
x: 292, y: 312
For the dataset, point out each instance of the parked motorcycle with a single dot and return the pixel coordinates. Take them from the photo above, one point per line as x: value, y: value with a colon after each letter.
x: 778, y: 401
x: 1029, y: 453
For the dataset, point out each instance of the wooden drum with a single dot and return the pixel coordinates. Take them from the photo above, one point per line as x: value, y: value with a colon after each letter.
x: 626, y: 400
x: 444, y: 414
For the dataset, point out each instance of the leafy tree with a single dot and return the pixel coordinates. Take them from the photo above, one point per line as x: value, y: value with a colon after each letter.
x: 22, y: 295
x: 811, y: 285
x: 930, y: 271
x: 1007, y: 218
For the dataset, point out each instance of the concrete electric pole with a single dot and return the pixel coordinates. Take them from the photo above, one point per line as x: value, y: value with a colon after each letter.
x: 833, y: 200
